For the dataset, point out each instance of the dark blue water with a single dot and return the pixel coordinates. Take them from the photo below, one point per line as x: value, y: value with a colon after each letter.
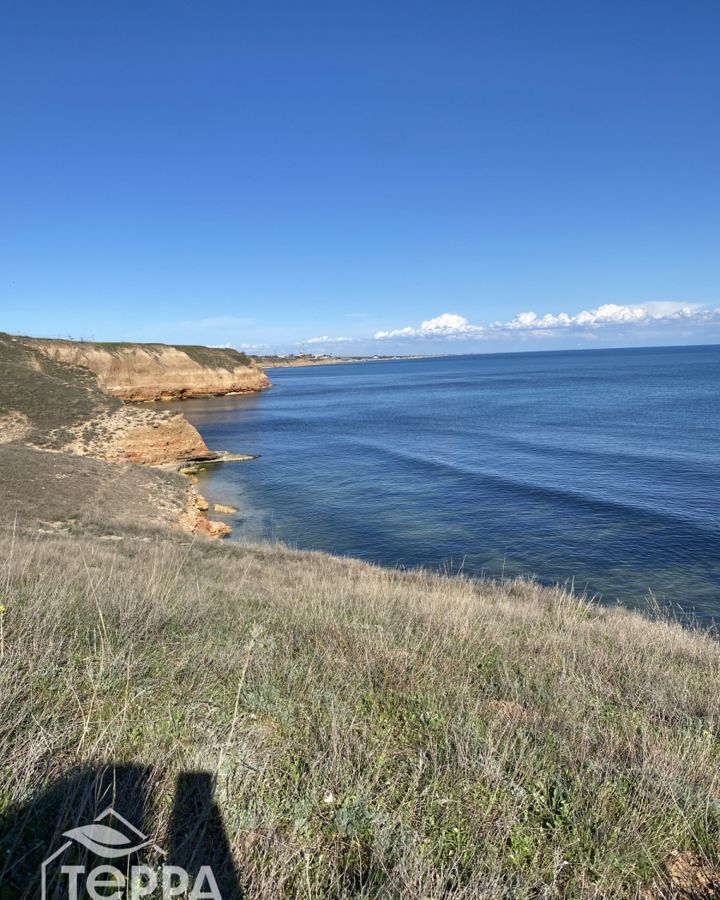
x: 601, y: 467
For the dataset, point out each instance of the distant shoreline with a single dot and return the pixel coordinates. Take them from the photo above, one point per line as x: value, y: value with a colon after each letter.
x: 284, y: 362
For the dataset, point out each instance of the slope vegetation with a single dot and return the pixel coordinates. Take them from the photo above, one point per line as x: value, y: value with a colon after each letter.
x: 363, y: 733
x: 352, y: 732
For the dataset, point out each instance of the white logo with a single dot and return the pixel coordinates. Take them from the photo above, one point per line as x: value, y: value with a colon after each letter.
x: 119, y: 841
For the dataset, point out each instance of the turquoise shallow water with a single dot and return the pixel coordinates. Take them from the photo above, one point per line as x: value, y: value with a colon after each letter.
x: 598, y: 467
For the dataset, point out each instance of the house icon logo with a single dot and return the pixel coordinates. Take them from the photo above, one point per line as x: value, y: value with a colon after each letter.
x: 125, y: 876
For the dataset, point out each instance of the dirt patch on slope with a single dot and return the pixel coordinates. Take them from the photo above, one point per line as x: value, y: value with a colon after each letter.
x: 13, y: 427
x: 62, y: 491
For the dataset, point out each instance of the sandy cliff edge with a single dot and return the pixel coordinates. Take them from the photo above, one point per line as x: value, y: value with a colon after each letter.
x: 144, y: 372
x: 55, y: 396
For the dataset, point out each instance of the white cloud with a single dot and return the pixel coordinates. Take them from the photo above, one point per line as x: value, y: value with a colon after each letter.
x: 327, y: 340
x: 609, y: 313
x: 452, y: 326
x: 447, y: 325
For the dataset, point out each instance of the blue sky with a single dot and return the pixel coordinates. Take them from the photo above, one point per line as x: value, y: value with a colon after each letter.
x: 406, y: 176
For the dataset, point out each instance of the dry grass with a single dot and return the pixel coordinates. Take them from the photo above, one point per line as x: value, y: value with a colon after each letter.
x: 60, y: 491
x: 51, y: 400
x: 374, y: 734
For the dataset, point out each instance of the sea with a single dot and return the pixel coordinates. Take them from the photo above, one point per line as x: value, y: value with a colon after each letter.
x: 595, y: 469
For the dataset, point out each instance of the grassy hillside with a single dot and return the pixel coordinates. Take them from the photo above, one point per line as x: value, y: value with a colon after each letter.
x: 49, y: 398
x: 336, y: 730
x: 367, y: 733
x: 64, y: 492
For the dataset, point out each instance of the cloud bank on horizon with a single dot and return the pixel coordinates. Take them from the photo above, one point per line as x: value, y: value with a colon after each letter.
x: 589, y: 323
x: 451, y: 325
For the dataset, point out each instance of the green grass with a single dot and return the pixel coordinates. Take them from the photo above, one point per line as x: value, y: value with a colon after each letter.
x: 374, y: 734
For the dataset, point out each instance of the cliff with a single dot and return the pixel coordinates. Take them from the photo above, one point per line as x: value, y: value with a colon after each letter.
x: 59, y: 429
x: 158, y: 371
x: 53, y: 406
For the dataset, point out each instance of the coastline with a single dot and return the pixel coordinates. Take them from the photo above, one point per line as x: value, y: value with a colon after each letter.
x: 69, y: 412
x: 286, y: 363
x: 469, y: 472
x: 371, y: 701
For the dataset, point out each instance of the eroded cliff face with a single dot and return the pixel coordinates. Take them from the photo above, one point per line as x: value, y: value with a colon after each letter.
x: 139, y: 435
x: 158, y: 371
x: 60, y: 428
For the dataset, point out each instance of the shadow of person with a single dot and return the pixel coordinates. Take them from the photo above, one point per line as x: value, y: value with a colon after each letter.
x: 197, y: 834
x: 59, y: 828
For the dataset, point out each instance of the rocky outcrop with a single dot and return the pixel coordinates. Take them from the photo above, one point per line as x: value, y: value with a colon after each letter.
x: 194, y: 518
x: 162, y: 442
x: 158, y: 371
x: 141, y: 435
